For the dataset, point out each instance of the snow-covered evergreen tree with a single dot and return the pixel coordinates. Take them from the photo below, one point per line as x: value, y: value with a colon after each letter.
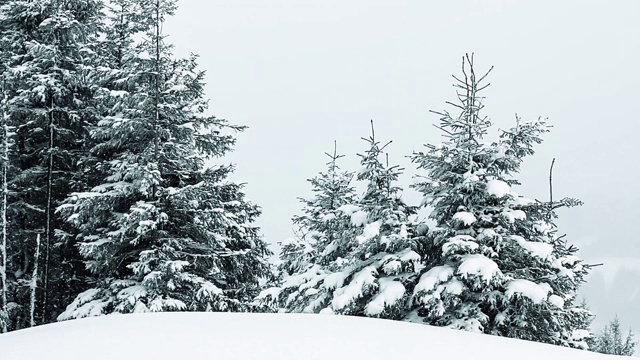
x: 610, y: 341
x: 321, y: 222
x: 46, y: 54
x: 365, y: 270
x: 495, y: 263
x: 160, y: 231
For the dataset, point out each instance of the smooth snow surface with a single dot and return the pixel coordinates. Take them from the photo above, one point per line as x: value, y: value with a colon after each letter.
x: 243, y: 336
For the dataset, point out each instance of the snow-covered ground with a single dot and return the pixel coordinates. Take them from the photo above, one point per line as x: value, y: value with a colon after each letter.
x: 240, y: 336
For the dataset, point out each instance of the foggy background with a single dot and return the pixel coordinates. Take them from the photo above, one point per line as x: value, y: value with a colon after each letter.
x: 302, y: 74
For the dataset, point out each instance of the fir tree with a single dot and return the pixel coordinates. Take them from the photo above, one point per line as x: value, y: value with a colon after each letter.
x: 161, y: 231
x: 364, y: 270
x: 610, y: 341
x: 381, y: 260
x: 321, y: 223
x: 47, y: 53
x: 495, y: 263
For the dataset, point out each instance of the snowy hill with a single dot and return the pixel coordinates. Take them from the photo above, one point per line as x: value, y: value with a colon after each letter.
x: 263, y: 336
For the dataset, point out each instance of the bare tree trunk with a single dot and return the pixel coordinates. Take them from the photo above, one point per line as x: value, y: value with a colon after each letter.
x: 156, y: 142
x: 156, y: 121
x: 5, y: 164
x: 34, y: 282
x: 47, y: 234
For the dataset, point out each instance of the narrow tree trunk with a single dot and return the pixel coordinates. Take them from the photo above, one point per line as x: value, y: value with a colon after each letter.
x: 5, y: 161
x: 34, y: 282
x: 121, y: 45
x: 47, y: 234
x: 156, y: 122
x: 156, y: 142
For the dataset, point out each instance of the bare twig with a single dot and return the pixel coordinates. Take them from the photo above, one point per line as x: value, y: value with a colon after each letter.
x: 373, y: 132
x: 551, y: 182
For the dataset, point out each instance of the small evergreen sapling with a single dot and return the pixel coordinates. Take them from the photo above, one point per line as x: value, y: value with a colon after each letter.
x: 610, y: 340
x: 382, y: 258
x: 321, y: 223
x: 364, y: 270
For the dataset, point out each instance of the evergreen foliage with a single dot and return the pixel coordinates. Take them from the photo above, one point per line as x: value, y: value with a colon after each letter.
x: 363, y: 270
x: 495, y: 263
x: 108, y: 205
x: 321, y: 222
x: 162, y: 232
x: 610, y: 341
x: 47, y: 53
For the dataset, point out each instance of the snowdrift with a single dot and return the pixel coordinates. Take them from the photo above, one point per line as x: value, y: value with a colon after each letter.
x: 241, y: 336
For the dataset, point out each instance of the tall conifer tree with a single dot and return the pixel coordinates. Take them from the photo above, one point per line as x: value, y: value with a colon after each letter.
x: 160, y: 231
x: 47, y: 54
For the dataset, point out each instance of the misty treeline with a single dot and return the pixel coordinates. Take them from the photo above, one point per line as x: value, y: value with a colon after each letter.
x: 108, y: 205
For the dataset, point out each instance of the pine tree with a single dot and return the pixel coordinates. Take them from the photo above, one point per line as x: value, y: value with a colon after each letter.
x: 495, y: 263
x: 609, y: 341
x: 160, y: 231
x: 364, y: 270
x: 47, y: 53
x: 114, y: 71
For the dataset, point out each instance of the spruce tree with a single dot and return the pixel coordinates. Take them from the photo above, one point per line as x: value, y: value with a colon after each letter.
x: 495, y: 263
x: 610, y: 341
x: 381, y: 263
x: 363, y: 270
x: 161, y: 231
x: 318, y: 229
x: 46, y: 53
x: 319, y: 225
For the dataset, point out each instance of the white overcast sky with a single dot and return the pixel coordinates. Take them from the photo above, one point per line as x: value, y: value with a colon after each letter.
x: 302, y: 74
